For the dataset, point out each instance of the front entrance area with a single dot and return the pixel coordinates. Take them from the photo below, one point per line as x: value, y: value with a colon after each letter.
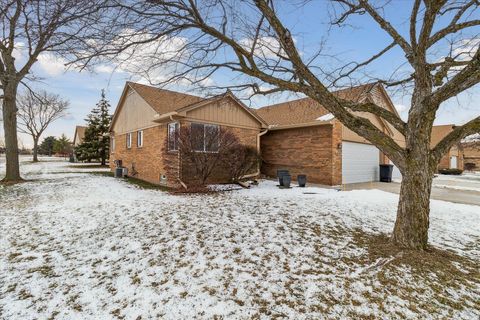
x: 360, y: 162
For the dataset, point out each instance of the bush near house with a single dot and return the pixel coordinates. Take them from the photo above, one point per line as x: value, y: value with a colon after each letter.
x: 450, y: 171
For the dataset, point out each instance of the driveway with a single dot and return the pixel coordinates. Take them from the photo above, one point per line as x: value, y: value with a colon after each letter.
x: 459, y: 189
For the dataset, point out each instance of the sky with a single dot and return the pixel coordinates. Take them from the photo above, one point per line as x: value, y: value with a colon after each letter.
x: 310, y: 28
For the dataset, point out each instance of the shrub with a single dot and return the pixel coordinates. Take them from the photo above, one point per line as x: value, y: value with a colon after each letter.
x: 470, y: 166
x: 241, y: 160
x: 450, y: 171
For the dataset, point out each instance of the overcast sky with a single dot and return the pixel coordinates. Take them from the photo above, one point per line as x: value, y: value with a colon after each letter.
x: 309, y: 28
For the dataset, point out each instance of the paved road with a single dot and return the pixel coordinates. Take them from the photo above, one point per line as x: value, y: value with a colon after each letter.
x: 438, y: 193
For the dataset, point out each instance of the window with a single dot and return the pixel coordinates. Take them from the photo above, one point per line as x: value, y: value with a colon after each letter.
x: 129, y: 140
x: 205, y: 137
x: 112, y: 139
x: 173, y: 131
x: 140, y: 138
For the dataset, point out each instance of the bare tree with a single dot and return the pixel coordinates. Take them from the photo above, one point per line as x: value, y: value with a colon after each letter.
x: 28, y: 29
x: 36, y: 111
x: 241, y: 160
x: 441, y: 60
x: 204, y: 148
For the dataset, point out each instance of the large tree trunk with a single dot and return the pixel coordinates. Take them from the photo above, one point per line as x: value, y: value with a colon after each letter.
x: 10, y: 129
x: 35, y: 149
x: 411, y: 226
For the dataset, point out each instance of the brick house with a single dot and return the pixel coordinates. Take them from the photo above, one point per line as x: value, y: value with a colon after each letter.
x: 300, y: 135
x: 453, y: 159
x: 147, y: 120
x: 306, y: 139
x: 471, y: 155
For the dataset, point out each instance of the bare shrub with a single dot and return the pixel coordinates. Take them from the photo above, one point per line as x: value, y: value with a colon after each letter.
x: 204, y: 147
x: 241, y: 160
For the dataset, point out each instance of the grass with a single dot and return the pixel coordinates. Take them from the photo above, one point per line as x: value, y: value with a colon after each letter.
x: 134, y: 181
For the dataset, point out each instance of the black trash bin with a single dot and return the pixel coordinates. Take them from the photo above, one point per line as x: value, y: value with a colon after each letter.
x: 386, y: 171
x: 302, y: 180
x: 286, y: 179
x: 280, y: 174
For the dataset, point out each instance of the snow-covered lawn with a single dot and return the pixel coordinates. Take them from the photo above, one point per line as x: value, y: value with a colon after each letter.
x: 83, y: 246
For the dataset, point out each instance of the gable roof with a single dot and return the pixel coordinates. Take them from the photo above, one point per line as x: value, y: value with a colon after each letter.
x: 167, y: 103
x: 80, y: 131
x: 161, y: 100
x: 439, y: 132
x: 307, y: 110
x: 227, y: 94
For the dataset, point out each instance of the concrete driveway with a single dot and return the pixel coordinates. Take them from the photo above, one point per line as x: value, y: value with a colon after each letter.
x: 459, y: 189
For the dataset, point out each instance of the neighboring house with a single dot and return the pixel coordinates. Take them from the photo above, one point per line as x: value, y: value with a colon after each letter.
x: 471, y: 155
x: 453, y: 159
x: 306, y: 139
x: 79, y: 135
x: 77, y: 140
x: 146, y: 123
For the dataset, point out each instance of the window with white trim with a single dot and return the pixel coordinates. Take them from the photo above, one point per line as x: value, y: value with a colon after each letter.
x: 112, y: 142
x: 129, y: 140
x: 140, y: 138
x: 205, y: 137
x: 173, y: 132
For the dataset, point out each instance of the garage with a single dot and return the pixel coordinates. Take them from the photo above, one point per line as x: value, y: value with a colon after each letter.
x: 360, y: 162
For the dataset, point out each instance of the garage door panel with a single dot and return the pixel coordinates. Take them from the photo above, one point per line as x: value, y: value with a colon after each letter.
x: 359, y: 162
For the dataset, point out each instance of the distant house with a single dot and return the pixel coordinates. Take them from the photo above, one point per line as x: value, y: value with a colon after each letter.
x: 146, y: 122
x: 471, y: 154
x: 79, y: 135
x: 453, y: 159
x: 306, y: 139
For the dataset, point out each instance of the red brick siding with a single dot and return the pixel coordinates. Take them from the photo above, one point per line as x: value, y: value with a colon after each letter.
x: 150, y: 160
x: 313, y: 151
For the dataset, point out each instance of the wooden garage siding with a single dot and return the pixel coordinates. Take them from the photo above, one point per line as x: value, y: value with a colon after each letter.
x: 225, y: 112
x: 313, y: 151
x: 134, y: 114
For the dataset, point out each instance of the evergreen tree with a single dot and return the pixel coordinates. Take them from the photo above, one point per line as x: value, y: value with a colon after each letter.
x: 96, y: 142
x: 46, y: 147
x: 62, y: 146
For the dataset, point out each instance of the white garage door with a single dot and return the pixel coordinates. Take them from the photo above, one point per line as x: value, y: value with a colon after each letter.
x: 359, y: 162
x: 396, y: 174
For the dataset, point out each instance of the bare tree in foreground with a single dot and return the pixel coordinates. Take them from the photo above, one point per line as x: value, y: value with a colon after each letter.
x: 36, y: 112
x: 28, y: 29
x: 439, y: 50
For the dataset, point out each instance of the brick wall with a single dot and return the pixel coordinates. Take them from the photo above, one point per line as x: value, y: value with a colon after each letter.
x: 220, y: 173
x: 154, y: 163
x: 313, y: 151
x: 150, y: 161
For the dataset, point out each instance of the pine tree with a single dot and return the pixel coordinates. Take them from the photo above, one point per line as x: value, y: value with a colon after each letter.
x: 46, y: 147
x: 96, y: 142
x: 62, y: 146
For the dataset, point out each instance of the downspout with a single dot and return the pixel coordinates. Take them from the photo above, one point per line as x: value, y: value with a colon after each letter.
x: 258, y: 150
x: 183, y: 184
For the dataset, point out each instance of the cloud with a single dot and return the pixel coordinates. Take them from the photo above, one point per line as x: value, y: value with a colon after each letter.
x: 401, y: 108
x: 265, y: 47
x: 51, y: 64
